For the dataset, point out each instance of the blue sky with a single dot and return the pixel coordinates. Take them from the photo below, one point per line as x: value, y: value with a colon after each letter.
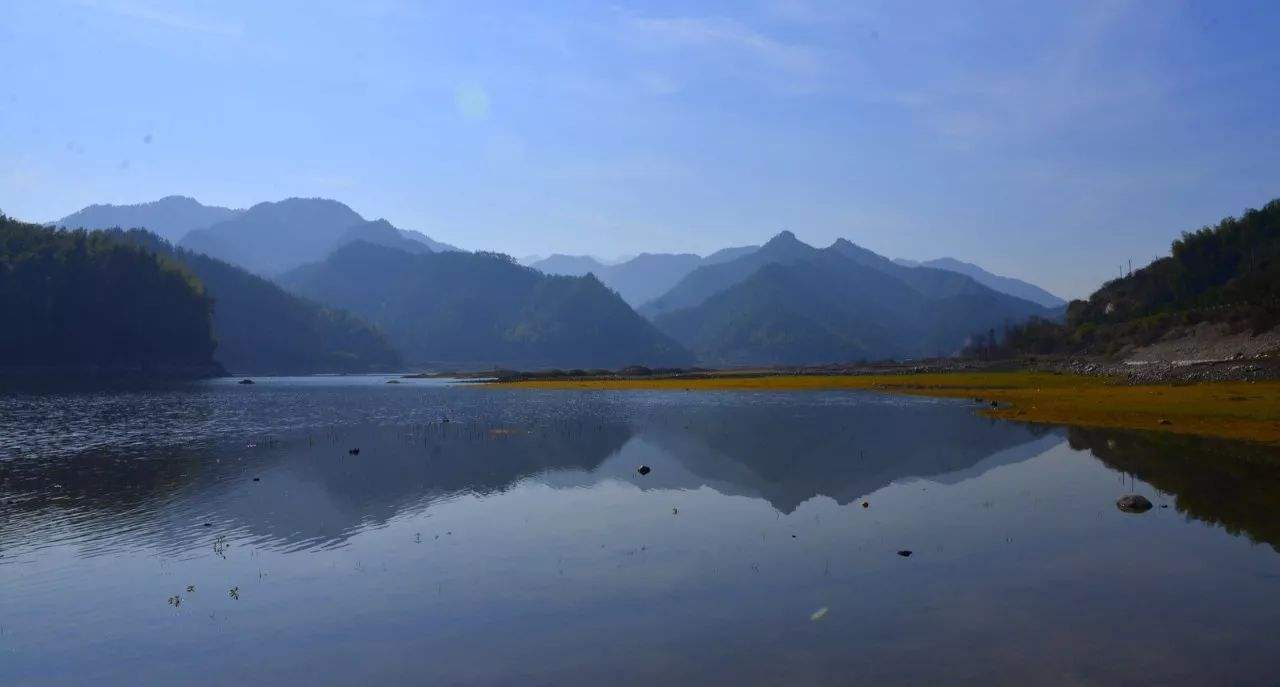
x: 1051, y: 142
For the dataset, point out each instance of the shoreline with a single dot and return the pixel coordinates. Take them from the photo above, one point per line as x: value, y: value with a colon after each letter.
x: 1242, y: 410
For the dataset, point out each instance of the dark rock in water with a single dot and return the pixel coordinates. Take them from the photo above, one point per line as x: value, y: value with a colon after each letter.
x: 643, y: 469
x: 866, y: 504
x: 1133, y: 503
x: 257, y: 479
x: 246, y: 380
x: 208, y: 524
x: 354, y: 451
x: 393, y: 381
x: 1165, y: 422
x: 904, y: 553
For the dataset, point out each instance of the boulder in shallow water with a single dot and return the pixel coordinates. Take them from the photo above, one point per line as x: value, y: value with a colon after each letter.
x: 246, y: 380
x: 1133, y: 503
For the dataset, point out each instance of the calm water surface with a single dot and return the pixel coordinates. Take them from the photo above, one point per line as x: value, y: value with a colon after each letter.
x: 217, y: 534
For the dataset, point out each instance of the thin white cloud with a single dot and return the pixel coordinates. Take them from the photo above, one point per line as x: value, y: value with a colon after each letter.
x: 1071, y: 81
x: 800, y: 63
x: 166, y: 17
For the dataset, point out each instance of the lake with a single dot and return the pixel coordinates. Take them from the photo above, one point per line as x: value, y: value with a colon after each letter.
x: 222, y: 534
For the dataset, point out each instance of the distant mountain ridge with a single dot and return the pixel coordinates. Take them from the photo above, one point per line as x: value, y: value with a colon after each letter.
x: 791, y: 303
x: 641, y: 278
x: 1010, y: 285
x: 708, y: 280
x: 170, y: 217
x: 267, y: 238
x: 479, y: 310
x: 382, y: 233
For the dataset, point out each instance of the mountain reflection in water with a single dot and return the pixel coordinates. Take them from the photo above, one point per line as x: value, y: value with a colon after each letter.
x: 216, y: 534
x: 311, y: 492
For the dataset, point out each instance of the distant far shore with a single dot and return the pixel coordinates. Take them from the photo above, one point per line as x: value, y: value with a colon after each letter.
x: 110, y: 372
x: 1227, y: 399
x: 1146, y: 372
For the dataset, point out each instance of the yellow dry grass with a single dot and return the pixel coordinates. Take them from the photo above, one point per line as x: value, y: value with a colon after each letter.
x: 1233, y: 410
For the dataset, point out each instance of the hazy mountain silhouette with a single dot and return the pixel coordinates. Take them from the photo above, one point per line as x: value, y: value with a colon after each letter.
x: 648, y: 275
x: 437, y: 246
x: 483, y: 309
x: 642, y: 278
x: 262, y: 329
x: 568, y: 265
x: 382, y: 233
x: 170, y: 217
x: 1007, y: 285
x: 839, y: 304
x: 725, y: 271
x: 270, y: 238
x: 727, y: 254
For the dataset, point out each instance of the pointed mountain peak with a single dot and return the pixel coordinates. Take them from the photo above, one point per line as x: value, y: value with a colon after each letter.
x: 850, y: 249
x: 783, y: 237
x: 785, y: 244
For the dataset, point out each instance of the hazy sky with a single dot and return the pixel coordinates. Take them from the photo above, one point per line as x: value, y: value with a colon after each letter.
x: 1047, y: 142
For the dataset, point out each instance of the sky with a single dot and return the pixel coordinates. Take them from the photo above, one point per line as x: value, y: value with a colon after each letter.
x: 1048, y: 141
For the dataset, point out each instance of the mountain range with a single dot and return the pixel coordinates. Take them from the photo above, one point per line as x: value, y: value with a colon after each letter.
x: 785, y: 302
x: 643, y: 279
x: 639, y: 279
x: 1010, y: 285
x: 791, y: 303
x: 482, y: 310
x: 267, y: 239
x: 171, y: 217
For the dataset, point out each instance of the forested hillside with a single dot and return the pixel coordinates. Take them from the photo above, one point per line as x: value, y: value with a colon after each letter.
x: 79, y: 299
x: 1228, y: 274
x: 262, y: 329
x: 483, y: 309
